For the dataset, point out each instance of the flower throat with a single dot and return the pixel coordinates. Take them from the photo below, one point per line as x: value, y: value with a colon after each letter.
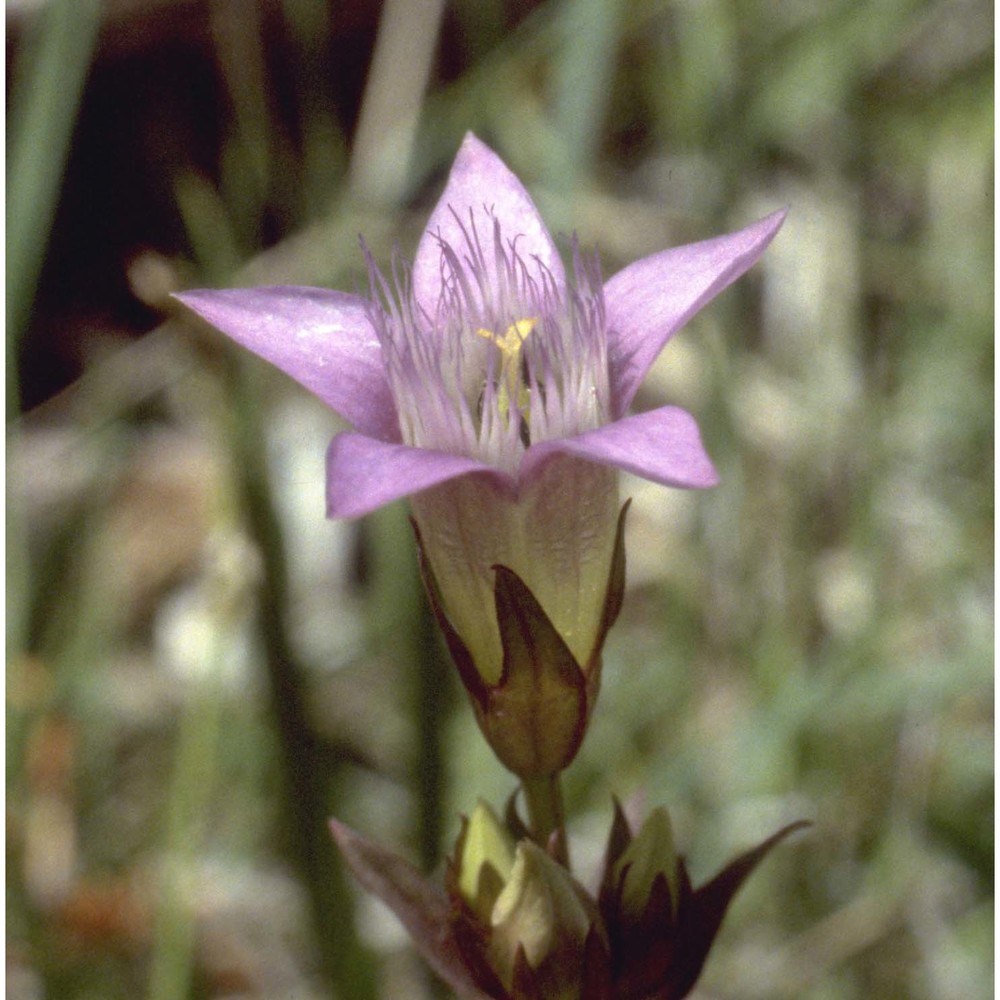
x: 508, y: 356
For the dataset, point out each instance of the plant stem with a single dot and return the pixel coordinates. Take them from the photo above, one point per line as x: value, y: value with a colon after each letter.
x: 546, y: 814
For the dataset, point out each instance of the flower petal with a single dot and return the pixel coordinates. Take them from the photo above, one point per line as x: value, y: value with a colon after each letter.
x: 648, y: 301
x: 481, y: 183
x: 363, y: 474
x: 323, y: 339
x: 663, y: 445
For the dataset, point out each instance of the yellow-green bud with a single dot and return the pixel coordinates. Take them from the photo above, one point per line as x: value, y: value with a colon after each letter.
x: 486, y: 859
x: 541, y: 912
x: 649, y: 854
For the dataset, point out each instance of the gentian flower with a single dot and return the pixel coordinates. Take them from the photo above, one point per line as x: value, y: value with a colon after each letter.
x: 493, y: 389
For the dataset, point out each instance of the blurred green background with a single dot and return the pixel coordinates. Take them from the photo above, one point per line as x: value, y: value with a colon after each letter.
x: 201, y: 668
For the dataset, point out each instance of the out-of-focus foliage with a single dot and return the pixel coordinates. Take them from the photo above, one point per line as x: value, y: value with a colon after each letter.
x: 201, y: 668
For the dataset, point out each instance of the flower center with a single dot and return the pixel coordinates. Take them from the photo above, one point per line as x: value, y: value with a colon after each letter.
x: 506, y: 354
x: 513, y: 374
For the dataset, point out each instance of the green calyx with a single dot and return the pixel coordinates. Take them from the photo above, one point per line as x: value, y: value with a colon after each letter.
x: 556, y: 533
x: 535, y: 714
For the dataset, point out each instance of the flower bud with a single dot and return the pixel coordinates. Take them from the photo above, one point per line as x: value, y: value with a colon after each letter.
x: 539, y: 927
x: 649, y: 855
x: 485, y: 860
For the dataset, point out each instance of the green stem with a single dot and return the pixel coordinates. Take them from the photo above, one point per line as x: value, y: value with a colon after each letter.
x: 546, y: 814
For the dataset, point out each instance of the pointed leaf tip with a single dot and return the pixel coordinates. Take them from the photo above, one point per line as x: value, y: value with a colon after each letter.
x: 700, y: 915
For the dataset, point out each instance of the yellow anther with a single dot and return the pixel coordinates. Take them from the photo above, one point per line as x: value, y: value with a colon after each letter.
x: 510, y: 344
x: 514, y: 336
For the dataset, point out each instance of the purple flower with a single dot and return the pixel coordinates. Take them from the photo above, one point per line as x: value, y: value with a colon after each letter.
x: 493, y: 388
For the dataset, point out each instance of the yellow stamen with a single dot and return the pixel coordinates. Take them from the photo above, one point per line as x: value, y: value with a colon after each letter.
x: 510, y: 345
x: 512, y: 339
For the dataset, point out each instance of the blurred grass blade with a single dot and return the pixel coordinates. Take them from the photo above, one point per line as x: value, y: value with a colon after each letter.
x: 192, y: 787
x: 225, y: 599
x: 394, y: 95
x: 48, y: 82
x: 589, y: 31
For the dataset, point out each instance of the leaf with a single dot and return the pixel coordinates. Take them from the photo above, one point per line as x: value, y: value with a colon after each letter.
x: 422, y: 907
